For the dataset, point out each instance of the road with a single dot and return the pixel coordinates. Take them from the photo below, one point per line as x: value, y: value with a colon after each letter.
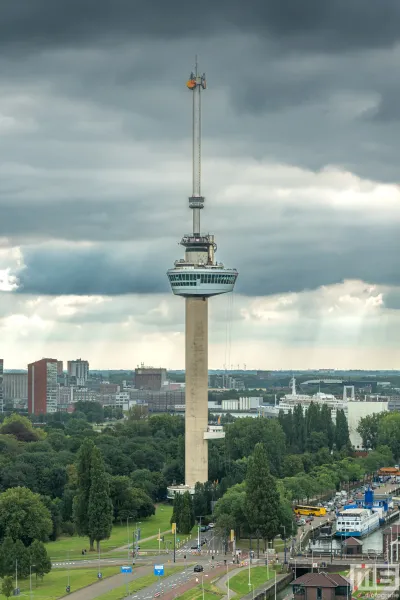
x: 175, y: 584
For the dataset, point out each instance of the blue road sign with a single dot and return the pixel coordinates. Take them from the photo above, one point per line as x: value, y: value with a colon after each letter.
x: 158, y: 570
x: 126, y: 569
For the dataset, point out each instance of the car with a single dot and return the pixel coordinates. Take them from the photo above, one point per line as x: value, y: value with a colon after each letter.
x: 198, y: 568
x: 301, y: 521
x: 194, y: 547
x: 211, y: 525
x: 204, y: 528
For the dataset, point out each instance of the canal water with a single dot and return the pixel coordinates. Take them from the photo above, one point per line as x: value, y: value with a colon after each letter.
x: 373, y: 542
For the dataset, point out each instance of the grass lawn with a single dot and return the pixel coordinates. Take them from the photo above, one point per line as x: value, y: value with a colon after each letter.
x: 54, y: 584
x: 279, y: 544
x: 167, y: 543
x: 137, y: 584
x: 210, y: 593
x: 71, y: 547
x: 169, y: 540
x: 258, y: 575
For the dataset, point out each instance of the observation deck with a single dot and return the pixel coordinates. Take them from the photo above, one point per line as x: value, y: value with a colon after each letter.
x: 201, y: 280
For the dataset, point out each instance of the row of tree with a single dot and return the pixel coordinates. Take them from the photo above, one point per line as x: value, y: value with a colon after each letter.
x: 313, y: 429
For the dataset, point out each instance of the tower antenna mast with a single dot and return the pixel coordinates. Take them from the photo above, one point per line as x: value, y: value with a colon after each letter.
x: 196, y: 83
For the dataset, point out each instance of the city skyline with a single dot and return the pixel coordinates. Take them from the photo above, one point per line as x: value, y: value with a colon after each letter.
x: 300, y: 147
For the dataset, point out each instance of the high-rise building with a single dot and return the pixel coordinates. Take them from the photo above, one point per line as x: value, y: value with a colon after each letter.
x: 15, y: 387
x: 197, y: 277
x: 42, y: 386
x: 1, y: 385
x: 79, y: 369
x: 60, y: 367
x: 148, y: 378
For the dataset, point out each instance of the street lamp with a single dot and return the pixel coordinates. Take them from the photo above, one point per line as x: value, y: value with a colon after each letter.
x: 137, y: 537
x: 249, y: 575
x: 284, y: 549
x: 30, y: 580
x: 199, y: 532
x: 391, y: 545
x: 127, y: 532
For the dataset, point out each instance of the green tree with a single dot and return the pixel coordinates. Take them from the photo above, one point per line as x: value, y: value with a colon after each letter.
x: 262, y: 497
x: 100, y: 509
x: 23, y: 516
x: 342, y: 437
x: 54, y: 507
x: 202, y: 499
x: 368, y: 429
x: 389, y: 433
x: 177, y: 511
x: 81, y: 500
x: 231, y: 509
x: 40, y: 559
x: 7, y: 586
x: 186, y: 519
x: 299, y: 427
x: 7, y: 561
x: 316, y: 440
x: 21, y: 559
x: 20, y: 427
x: 292, y: 465
x: 92, y: 410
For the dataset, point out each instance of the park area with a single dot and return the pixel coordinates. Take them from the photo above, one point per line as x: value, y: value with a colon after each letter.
x: 258, y: 575
x: 53, y: 585
x: 211, y: 592
x: 68, y: 548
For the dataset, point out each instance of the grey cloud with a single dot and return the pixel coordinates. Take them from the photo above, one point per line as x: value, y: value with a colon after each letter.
x: 309, y: 24
x: 283, y: 84
x: 84, y: 220
x: 89, y: 271
x: 391, y: 299
x: 275, y: 257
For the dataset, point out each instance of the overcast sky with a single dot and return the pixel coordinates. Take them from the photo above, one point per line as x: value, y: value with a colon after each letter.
x: 301, y: 145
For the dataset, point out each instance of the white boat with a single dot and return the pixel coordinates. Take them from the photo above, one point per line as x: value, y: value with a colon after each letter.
x: 356, y: 522
x: 290, y: 401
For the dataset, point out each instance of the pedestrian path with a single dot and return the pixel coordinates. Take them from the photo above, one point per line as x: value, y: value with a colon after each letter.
x: 101, y: 587
x: 147, y: 539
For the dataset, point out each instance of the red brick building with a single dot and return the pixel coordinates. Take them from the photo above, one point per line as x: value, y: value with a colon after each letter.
x: 42, y: 386
x: 321, y: 586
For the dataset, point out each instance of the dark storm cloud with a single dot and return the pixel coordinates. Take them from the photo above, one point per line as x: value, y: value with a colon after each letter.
x: 325, y: 250
x: 296, y: 261
x: 319, y: 24
x: 89, y: 82
x: 82, y: 220
x: 89, y: 271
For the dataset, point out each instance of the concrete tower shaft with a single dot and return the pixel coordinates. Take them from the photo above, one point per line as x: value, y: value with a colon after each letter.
x: 196, y: 396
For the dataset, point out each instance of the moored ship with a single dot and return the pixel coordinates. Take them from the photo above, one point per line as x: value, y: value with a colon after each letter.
x: 356, y: 522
